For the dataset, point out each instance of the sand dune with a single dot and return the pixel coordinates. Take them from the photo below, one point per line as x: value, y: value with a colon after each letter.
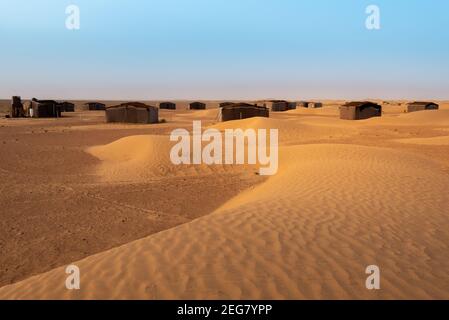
x: 308, y: 232
x: 436, y: 141
x: 420, y: 118
x: 144, y: 157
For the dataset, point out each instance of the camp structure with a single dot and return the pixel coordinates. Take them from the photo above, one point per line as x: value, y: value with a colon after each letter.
x: 281, y: 105
x: 360, y: 110
x: 132, y: 112
x: 67, y: 106
x: 278, y: 105
x: 197, y: 106
x: 239, y: 111
x: 292, y: 105
x: 420, y: 106
x: 225, y: 104
x: 45, y: 109
x: 167, y: 105
x: 303, y: 104
x: 16, y: 110
x: 315, y: 105
x: 95, y: 106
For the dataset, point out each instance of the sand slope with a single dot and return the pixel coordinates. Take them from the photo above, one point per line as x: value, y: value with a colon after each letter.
x: 308, y: 232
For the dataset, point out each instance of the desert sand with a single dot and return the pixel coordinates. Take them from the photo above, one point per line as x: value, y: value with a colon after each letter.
x: 106, y: 198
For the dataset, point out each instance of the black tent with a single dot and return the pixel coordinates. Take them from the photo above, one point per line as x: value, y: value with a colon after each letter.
x: 132, y: 112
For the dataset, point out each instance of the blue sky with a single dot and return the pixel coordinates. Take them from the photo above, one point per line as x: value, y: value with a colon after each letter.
x: 224, y: 49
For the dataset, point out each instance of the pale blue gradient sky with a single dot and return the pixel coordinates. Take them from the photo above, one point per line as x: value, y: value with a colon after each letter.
x: 223, y: 49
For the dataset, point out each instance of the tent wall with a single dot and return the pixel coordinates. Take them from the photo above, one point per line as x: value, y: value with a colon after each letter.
x: 131, y: 114
x: 347, y: 113
x: 229, y: 114
x: 197, y: 106
x: 96, y: 106
x: 67, y: 107
x: 420, y: 107
x: 46, y: 109
x: 16, y: 109
x: 368, y: 112
x: 279, y: 106
x: 167, y: 105
x: 315, y: 105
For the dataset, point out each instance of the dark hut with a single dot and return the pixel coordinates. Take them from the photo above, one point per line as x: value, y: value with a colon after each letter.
x: 132, y: 112
x: 315, y: 105
x: 167, y: 105
x: 45, y: 109
x: 303, y: 104
x: 197, y: 106
x: 360, y: 110
x: 16, y: 110
x: 239, y: 111
x: 292, y: 105
x: 278, y: 105
x: 67, y: 106
x: 95, y: 106
x: 420, y: 106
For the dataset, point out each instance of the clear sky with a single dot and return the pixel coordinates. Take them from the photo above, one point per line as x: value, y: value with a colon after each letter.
x: 224, y: 49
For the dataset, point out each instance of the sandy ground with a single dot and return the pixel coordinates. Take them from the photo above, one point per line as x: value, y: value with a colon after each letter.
x: 348, y: 194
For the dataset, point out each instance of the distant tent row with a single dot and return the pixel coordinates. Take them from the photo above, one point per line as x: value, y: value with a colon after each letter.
x: 364, y: 110
x: 92, y: 106
x: 307, y: 104
x: 237, y: 111
x: 39, y: 108
x: 132, y: 112
x: 315, y: 105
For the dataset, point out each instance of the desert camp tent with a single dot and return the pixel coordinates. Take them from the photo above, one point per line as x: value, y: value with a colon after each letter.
x: 95, y: 106
x: 197, y: 106
x: 45, y: 108
x: 281, y: 105
x: 315, y: 105
x: 360, y: 110
x: 278, y: 105
x: 167, y: 105
x: 67, y: 106
x: 132, y: 112
x: 16, y: 110
x: 292, y: 105
x: 303, y: 104
x: 239, y: 111
x: 420, y: 106
x: 225, y: 104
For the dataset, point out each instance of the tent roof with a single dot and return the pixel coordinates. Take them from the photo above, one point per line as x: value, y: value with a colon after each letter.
x: 421, y: 103
x: 357, y: 104
x: 133, y: 105
x: 242, y: 105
